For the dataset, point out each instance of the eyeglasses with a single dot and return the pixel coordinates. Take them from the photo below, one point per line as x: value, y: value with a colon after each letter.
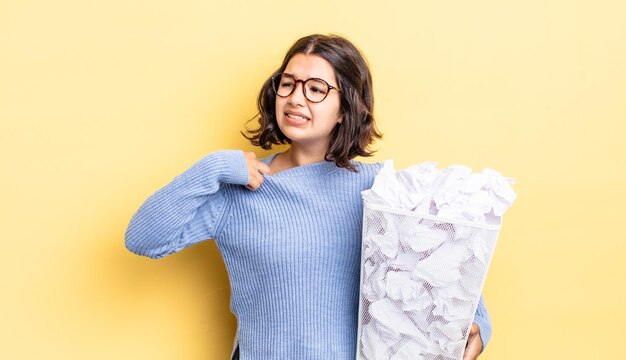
x: 315, y: 90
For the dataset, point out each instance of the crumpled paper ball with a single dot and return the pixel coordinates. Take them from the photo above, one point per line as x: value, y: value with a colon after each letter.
x: 454, y: 193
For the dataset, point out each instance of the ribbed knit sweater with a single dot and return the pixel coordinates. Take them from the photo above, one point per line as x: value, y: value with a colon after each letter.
x: 292, y: 249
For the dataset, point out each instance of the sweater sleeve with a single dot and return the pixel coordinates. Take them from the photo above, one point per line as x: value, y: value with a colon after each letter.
x: 188, y: 209
x: 482, y: 319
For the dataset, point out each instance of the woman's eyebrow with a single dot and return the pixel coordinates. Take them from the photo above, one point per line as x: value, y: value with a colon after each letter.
x: 310, y: 77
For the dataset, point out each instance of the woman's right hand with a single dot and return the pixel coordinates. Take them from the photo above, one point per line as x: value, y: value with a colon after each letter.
x: 256, y: 169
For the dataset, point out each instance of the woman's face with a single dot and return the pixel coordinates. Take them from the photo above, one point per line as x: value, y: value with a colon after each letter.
x: 304, y: 122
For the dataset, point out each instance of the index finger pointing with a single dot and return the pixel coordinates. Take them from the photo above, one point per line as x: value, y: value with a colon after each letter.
x: 264, y: 168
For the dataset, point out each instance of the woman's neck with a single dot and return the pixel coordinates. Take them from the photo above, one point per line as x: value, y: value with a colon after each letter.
x: 297, y: 156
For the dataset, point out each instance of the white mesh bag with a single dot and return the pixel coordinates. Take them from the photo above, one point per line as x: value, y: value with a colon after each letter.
x: 421, y: 281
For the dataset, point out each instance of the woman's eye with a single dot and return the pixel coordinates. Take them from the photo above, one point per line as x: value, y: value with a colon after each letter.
x: 286, y: 85
x: 318, y: 90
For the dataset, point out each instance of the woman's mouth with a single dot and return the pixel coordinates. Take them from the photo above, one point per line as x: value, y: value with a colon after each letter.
x: 296, y: 119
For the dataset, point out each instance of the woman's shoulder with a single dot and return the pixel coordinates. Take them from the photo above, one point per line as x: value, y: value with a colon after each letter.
x: 374, y: 166
x: 362, y: 178
x: 365, y: 170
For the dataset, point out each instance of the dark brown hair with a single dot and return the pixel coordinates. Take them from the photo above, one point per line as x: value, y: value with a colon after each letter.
x: 357, y: 131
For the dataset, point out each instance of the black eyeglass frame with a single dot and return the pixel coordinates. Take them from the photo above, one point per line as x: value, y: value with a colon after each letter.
x: 296, y: 81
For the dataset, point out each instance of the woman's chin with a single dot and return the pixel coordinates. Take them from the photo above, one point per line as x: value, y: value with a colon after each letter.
x: 293, y: 134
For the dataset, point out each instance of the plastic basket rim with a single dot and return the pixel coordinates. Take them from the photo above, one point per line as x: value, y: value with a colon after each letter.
x: 432, y: 217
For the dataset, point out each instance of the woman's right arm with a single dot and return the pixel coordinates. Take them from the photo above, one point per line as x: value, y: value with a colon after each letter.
x: 188, y: 209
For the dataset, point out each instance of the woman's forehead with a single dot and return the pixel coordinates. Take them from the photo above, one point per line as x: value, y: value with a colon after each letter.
x: 310, y: 66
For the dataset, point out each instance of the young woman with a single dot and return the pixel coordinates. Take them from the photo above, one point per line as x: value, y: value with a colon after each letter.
x: 289, y: 225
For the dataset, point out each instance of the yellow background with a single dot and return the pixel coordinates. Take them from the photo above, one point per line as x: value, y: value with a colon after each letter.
x: 103, y: 102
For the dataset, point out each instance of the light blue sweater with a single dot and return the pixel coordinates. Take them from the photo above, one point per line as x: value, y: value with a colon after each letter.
x: 292, y: 249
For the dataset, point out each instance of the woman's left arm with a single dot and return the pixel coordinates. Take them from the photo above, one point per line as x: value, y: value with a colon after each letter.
x: 480, y: 333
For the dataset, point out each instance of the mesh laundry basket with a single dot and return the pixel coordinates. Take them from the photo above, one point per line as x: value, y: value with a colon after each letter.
x: 421, y: 281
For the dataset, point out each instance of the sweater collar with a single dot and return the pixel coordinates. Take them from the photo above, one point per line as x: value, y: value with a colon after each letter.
x: 313, y: 169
